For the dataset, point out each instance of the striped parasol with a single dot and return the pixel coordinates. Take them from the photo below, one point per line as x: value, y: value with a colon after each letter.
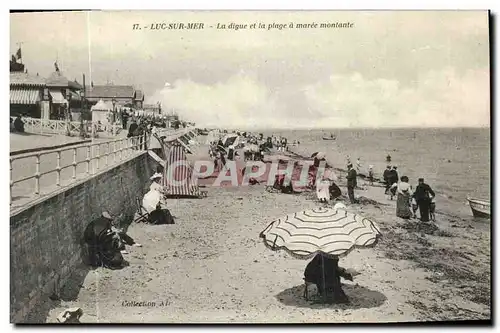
x: 331, y: 232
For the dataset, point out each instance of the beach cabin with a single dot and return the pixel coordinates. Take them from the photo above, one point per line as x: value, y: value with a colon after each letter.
x: 102, y: 112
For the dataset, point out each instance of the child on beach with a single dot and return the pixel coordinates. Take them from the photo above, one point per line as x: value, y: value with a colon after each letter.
x: 370, y: 175
x: 432, y: 209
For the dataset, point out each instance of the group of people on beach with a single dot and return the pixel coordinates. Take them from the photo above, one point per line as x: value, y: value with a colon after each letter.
x: 106, y: 242
x: 409, y: 201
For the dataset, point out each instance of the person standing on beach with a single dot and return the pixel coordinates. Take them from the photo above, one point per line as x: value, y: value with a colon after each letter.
x: 351, y: 182
x: 370, y: 175
x: 393, y: 179
x: 387, y: 172
x: 423, y: 196
x: 358, y: 165
x: 404, y: 194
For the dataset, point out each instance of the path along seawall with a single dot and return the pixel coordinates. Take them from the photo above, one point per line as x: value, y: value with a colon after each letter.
x: 46, y: 235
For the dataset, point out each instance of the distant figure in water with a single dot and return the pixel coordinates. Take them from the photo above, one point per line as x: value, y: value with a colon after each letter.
x: 388, y: 158
x: 358, y: 165
x: 423, y: 196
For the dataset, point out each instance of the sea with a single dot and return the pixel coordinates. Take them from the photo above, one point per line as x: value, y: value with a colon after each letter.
x: 455, y: 162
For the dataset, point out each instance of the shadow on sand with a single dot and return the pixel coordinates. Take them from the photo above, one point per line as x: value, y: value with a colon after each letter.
x: 72, y: 286
x: 360, y: 298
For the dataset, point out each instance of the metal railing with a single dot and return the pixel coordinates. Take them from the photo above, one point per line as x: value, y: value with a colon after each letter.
x: 98, y: 156
x: 39, y: 125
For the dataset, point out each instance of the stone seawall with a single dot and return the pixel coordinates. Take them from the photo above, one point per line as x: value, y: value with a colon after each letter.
x: 46, y: 237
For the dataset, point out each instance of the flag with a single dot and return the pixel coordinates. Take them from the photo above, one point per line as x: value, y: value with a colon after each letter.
x: 18, y: 54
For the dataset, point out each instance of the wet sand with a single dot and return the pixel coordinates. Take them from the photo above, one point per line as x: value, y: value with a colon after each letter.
x: 212, y: 267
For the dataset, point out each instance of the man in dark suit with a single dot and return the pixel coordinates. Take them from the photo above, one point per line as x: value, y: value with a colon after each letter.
x: 423, y: 196
x: 351, y: 182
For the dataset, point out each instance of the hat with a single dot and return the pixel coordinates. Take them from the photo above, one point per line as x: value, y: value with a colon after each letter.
x: 156, y: 176
x: 106, y: 215
x: 339, y: 205
x: 370, y: 167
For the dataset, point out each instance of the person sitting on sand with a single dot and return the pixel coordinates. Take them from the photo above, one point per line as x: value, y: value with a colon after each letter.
x: 106, y: 243
x: 325, y: 273
x: 154, y: 203
x: 404, y: 194
x: 423, y: 196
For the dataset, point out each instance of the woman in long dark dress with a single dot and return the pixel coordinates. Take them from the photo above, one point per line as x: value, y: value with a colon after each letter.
x: 325, y: 273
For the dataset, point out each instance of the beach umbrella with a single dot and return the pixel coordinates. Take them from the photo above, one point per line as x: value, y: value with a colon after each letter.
x: 319, y: 155
x: 230, y: 139
x: 332, y: 232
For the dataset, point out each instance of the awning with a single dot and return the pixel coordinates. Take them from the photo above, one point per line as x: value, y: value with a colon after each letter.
x: 24, y: 96
x: 58, y: 98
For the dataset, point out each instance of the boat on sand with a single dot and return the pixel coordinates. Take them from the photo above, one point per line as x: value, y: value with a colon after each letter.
x: 479, y: 207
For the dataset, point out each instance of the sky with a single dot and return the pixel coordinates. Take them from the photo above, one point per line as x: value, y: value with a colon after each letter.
x: 390, y: 69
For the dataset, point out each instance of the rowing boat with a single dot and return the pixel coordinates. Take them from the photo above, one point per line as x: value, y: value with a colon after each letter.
x: 479, y: 207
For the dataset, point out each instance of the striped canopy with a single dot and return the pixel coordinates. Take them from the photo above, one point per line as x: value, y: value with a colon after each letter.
x: 177, y: 177
x: 331, y: 232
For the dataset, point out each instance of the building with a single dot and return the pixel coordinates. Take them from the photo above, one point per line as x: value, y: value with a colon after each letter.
x: 152, y: 109
x: 29, y: 95
x: 139, y: 99
x: 64, y: 94
x: 120, y: 95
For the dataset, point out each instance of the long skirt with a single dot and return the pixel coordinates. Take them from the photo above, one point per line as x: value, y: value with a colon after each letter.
x: 403, y: 206
x: 161, y: 216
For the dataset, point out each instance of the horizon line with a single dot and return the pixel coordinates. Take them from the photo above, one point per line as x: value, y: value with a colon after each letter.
x: 343, y: 128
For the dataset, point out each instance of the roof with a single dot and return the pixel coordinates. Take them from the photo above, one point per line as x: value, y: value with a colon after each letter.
x: 110, y: 91
x: 150, y: 106
x: 139, y: 95
x: 57, y: 79
x: 24, y: 79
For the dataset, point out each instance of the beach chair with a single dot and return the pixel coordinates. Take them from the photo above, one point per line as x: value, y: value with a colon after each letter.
x: 141, y: 212
x: 307, y: 284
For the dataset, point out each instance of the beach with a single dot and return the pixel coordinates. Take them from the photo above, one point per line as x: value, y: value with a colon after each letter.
x: 212, y: 267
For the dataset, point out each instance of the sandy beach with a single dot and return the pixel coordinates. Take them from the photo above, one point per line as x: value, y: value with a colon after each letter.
x: 212, y: 267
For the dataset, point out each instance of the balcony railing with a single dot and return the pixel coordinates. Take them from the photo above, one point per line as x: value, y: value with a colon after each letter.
x: 44, y: 172
x: 38, y: 125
